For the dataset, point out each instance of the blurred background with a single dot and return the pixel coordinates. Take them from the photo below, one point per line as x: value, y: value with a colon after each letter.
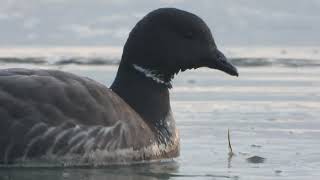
x: 238, y: 26
x: 108, y: 22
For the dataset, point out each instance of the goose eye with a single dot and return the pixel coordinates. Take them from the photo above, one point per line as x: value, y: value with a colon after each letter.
x: 188, y: 35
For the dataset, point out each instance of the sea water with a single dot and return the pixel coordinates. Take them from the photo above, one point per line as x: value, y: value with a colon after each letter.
x: 271, y: 110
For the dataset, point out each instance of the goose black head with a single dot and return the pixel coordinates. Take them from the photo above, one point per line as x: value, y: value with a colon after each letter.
x: 170, y: 40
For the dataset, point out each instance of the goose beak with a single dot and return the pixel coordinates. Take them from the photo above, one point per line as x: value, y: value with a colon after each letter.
x: 220, y: 62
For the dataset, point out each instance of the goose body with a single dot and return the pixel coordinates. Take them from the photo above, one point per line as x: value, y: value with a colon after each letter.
x: 54, y: 116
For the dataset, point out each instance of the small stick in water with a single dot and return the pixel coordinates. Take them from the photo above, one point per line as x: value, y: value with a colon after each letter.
x: 230, y: 147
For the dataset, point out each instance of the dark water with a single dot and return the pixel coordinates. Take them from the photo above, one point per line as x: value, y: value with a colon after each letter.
x: 272, y: 112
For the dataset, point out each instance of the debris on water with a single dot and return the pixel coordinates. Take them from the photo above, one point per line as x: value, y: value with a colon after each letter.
x: 277, y: 171
x: 256, y: 146
x: 230, y: 154
x: 230, y: 147
x: 256, y: 159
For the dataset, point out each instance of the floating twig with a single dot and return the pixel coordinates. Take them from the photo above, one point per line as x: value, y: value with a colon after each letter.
x: 229, y: 142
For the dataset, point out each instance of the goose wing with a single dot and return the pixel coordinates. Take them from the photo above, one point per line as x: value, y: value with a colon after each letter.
x: 49, y: 112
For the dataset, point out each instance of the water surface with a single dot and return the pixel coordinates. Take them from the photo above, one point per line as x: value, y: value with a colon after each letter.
x: 272, y: 112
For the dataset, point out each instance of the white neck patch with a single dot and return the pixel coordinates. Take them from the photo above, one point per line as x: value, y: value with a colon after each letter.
x: 151, y: 74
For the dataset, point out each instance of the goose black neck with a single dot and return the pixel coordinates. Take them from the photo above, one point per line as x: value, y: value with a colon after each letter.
x: 147, y: 97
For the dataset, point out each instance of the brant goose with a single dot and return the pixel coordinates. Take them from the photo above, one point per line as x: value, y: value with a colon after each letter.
x: 49, y: 116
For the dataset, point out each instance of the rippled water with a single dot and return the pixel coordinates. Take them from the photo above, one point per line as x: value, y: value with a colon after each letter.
x: 272, y: 113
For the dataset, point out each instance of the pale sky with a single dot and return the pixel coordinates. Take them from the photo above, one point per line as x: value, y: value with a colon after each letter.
x: 108, y: 22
